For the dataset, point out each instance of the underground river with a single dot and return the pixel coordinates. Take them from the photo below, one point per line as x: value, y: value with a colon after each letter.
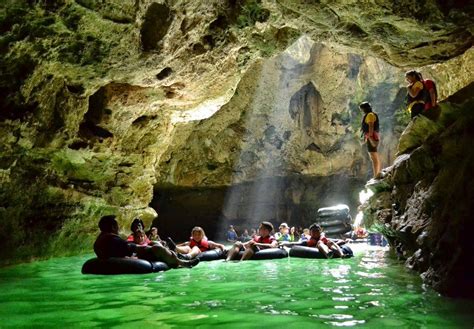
x: 370, y: 290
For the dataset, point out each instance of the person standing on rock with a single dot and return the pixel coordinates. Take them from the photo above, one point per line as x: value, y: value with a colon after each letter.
x: 370, y: 130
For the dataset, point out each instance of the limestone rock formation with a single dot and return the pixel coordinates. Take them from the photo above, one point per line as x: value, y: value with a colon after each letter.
x: 138, y: 107
x: 426, y: 202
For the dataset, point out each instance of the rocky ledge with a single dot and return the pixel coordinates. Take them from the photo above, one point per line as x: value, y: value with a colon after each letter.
x: 425, y: 202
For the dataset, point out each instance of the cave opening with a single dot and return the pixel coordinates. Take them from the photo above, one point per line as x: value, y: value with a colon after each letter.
x: 293, y: 199
x: 305, y: 124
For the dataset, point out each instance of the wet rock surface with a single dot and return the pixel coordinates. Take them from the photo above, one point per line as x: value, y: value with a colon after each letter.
x: 106, y: 103
x: 426, y: 204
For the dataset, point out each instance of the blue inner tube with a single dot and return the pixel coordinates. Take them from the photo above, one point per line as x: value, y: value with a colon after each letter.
x: 117, y: 265
x: 308, y: 252
x: 270, y: 253
x: 209, y: 255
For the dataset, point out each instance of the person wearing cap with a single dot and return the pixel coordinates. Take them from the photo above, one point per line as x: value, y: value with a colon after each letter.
x: 262, y: 241
x: 370, y: 131
x: 284, y: 234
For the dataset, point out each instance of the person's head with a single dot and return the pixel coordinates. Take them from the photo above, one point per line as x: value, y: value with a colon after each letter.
x: 197, y: 233
x: 108, y: 224
x: 231, y: 227
x: 246, y: 232
x: 253, y: 232
x: 139, y: 236
x: 306, y: 231
x: 412, y: 76
x: 154, y: 231
x: 284, y: 228
x: 265, y: 229
x: 136, y: 225
x: 366, y: 107
x: 315, y: 231
x: 292, y: 230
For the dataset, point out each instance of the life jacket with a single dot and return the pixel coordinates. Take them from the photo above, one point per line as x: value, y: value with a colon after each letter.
x: 313, y: 242
x: 268, y: 240
x: 427, y: 86
x: 419, y: 98
x: 365, y: 126
x: 203, y: 245
x: 282, y: 237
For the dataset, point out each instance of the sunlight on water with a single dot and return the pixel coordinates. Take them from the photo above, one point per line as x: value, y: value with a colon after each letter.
x: 369, y: 290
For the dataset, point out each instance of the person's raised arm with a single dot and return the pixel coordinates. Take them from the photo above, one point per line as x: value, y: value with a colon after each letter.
x: 183, y: 244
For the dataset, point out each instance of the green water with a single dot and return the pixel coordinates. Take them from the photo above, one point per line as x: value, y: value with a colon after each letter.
x: 370, y: 290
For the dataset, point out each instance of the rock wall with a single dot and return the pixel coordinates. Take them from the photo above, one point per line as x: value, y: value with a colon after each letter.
x: 424, y: 204
x: 100, y: 100
x: 294, y: 114
x: 292, y: 198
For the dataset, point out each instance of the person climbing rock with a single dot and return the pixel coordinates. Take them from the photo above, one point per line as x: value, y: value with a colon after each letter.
x: 370, y: 130
x: 415, y: 94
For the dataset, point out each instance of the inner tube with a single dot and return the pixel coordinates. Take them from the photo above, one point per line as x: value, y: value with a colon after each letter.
x: 347, y: 250
x: 270, y: 253
x: 305, y: 252
x: 209, y: 255
x: 337, y: 229
x: 335, y: 220
x: 341, y: 209
x: 116, y: 265
x: 309, y: 252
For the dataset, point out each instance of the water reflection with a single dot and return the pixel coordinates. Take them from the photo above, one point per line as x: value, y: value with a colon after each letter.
x: 370, y: 289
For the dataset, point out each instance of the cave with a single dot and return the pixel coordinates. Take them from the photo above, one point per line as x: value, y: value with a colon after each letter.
x: 237, y: 112
x: 292, y: 199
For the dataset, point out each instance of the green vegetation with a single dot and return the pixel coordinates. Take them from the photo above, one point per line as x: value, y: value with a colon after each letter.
x: 401, y: 119
x: 252, y: 12
x: 267, y: 48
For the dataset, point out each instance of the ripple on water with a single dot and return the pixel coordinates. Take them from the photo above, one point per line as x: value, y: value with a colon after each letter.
x: 369, y: 289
